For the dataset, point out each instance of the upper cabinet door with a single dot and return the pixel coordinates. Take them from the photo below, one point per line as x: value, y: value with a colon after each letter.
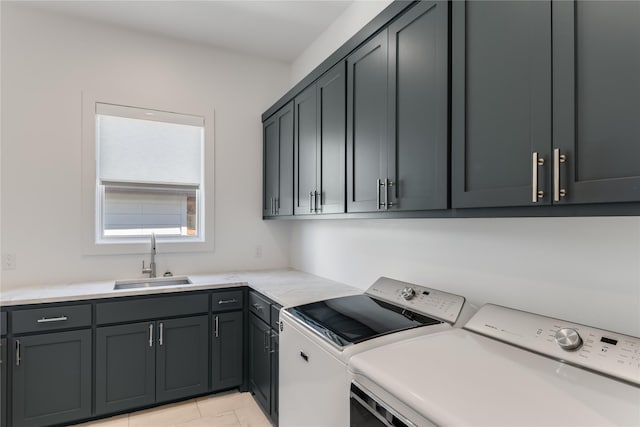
x: 278, y: 163
x: 418, y: 109
x: 305, y: 151
x: 331, y: 98
x: 366, y: 124
x: 596, y: 101
x: 271, y: 165
x: 501, y: 103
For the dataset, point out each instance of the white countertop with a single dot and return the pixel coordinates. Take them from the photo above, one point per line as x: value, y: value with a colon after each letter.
x: 286, y: 287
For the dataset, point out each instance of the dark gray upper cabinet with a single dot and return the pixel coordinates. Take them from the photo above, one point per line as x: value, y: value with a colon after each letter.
x: 418, y: 114
x: 227, y: 347
x: 397, y: 145
x: 305, y: 152
x: 319, y: 165
x: 51, y: 379
x: 182, y: 357
x: 366, y: 124
x: 501, y: 102
x: 278, y: 163
x: 596, y: 101
x: 125, y: 367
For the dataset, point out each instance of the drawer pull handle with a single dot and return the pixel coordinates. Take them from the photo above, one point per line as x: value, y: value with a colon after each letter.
x: 257, y: 307
x: 52, y: 319
x: 304, y: 356
x: 227, y: 301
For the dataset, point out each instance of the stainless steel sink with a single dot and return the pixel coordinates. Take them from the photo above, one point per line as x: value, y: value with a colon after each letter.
x: 151, y: 283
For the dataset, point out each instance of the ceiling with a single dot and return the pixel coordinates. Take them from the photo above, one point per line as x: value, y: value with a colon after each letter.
x: 278, y: 30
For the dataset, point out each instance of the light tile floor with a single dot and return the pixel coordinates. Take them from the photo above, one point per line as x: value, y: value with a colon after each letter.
x: 227, y: 409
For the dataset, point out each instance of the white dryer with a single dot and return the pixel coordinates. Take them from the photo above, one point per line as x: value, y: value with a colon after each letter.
x: 505, y: 368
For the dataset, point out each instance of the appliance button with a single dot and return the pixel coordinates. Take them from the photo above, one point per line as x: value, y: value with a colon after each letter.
x: 568, y: 339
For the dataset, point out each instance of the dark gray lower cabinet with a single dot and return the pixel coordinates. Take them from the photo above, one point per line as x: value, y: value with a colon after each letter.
x: 51, y: 378
x: 260, y: 361
x: 182, y: 357
x: 3, y: 381
x: 125, y: 367
x: 143, y: 363
x: 227, y: 350
x: 275, y: 368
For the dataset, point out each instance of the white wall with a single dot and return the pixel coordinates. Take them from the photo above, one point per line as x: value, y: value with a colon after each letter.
x: 47, y: 60
x: 342, y: 29
x: 581, y: 269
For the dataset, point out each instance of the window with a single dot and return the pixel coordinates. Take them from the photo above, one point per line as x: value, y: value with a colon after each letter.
x: 149, y: 174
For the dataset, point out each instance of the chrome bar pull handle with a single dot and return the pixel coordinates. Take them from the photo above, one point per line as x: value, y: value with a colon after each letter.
x: 216, y: 330
x: 151, y: 335
x: 227, y: 301
x: 266, y: 341
x: 273, y: 347
x: 315, y: 201
x: 387, y: 184
x: 378, y: 185
x: 18, y: 358
x: 310, y: 201
x: 535, y: 162
x: 53, y: 319
x: 161, y: 330
x: 277, y: 203
x: 557, y: 159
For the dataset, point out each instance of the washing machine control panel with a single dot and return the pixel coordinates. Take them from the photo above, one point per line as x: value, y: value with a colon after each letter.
x: 610, y: 353
x: 430, y: 302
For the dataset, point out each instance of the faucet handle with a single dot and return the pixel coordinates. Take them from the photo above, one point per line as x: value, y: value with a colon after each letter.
x: 146, y: 270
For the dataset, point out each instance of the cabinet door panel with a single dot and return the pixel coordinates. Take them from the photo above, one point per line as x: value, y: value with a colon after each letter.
x: 227, y: 350
x: 125, y: 367
x: 3, y: 381
x: 332, y: 139
x: 366, y: 123
x: 182, y: 357
x: 597, y: 99
x: 259, y: 362
x: 418, y: 84
x: 271, y: 165
x: 284, y: 205
x: 306, y: 154
x: 501, y: 97
x: 52, y: 383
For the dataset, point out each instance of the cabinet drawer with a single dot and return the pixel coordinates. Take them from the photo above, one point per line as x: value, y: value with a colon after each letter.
x: 226, y: 300
x: 260, y: 306
x: 151, y: 308
x: 3, y: 323
x: 275, y: 317
x: 51, y: 318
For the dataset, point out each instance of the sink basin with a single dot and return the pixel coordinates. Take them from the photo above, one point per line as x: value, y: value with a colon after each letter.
x: 151, y: 283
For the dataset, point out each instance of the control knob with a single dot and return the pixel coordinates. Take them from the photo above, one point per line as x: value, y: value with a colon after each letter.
x: 407, y: 293
x: 568, y: 339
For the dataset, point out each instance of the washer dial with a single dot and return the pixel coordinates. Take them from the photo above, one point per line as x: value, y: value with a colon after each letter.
x: 568, y: 339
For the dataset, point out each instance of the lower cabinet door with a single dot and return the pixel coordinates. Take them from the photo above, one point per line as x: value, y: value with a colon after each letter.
x: 125, y: 367
x: 182, y: 357
x: 275, y: 368
x: 259, y: 361
x: 51, y: 378
x: 3, y: 381
x: 227, y: 350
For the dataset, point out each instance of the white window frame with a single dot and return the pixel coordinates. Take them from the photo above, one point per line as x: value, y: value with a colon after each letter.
x: 93, y: 242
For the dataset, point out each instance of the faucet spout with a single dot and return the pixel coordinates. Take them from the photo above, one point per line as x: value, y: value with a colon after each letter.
x: 151, y: 270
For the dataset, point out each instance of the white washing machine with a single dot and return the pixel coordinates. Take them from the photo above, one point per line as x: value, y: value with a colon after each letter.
x: 317, y: 340
x: 505, y: 368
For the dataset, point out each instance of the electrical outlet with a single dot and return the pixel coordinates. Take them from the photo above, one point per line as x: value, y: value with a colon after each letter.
x: 259, y: 251
x: 8, y: 261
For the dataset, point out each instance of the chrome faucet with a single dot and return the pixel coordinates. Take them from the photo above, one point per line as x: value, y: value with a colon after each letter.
x: 151, y: 270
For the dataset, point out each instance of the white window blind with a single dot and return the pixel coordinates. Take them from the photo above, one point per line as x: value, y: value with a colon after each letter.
x: 150, y: 168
